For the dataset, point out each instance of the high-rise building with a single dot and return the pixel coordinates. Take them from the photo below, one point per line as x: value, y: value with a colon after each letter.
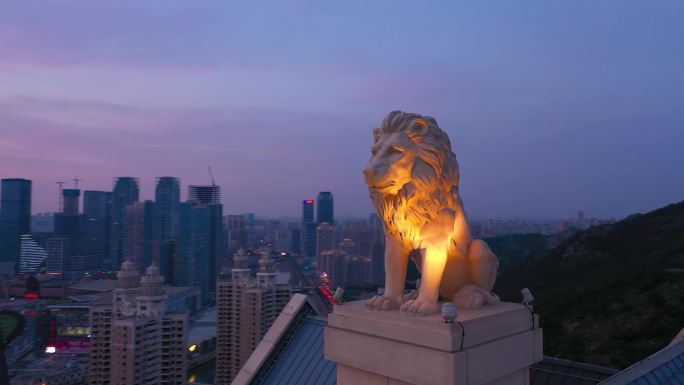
x: 236, y: 232
x: 308, y: 210
x: 377, y: 227
x: 15, y: 221
x: 199, y: 247
x: 71, y: 198
x: 333, y: 263
x: 32, y: 255
x: 58, y: 255
x: 135, y: 340
x: 348, y: 246
x: 97, y: 212
x: 217, y: 247
x: 125, y: 192
x: 68, y: 222
x: 325, y: 208
x: 191, y: 267
x: 71, y: 225
x: 204, y: 194
x: 166, y: 221
x: 308, y: 229
x: 166, y: 203
x: 138, y: 242
x: 295, y: 241
x: 355, y: 271
x: 377, y: 267
x: 325, y: 238
x: 247, y: 306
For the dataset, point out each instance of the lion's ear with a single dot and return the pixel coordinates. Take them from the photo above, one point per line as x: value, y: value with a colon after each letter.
x: 418, y: 129
x: 376, y: 134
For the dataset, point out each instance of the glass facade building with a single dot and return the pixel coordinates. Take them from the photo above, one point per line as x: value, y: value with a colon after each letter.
x: 15, y: 221
x: 325, y: 208
x: 126, y: 192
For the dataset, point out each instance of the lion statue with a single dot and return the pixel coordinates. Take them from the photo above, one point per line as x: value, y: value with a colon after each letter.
x: 413, y: 177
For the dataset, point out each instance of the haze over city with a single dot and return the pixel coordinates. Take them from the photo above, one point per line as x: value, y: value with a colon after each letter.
x: 551, y: 108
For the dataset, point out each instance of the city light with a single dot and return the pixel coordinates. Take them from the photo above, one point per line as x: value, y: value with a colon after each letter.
x: 50, y: 349
x: 192, y: 347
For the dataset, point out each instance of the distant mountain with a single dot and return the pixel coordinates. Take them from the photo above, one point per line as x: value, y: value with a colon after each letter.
x: 609, y: 295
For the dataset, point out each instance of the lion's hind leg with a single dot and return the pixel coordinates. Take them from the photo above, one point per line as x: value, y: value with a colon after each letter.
x: 482, y: 264
x: 482, y: 268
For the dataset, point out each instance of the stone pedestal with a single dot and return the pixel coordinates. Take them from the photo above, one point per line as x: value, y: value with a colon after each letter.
x: 491, y: 346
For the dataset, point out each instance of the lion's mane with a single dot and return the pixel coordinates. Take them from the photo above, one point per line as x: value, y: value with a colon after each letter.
x: 434, y: 177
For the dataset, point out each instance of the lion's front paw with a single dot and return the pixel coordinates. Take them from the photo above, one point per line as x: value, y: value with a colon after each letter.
x: 419, y: 307
x: 381, y: 302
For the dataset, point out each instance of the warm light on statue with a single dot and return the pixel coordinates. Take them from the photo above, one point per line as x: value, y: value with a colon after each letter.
x: 413, y: 181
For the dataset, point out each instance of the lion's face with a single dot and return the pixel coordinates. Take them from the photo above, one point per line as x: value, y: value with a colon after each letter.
x: 391, y: 164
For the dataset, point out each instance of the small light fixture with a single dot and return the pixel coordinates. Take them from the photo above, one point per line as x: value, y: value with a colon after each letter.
x: 449, y: 312
x: 528, y: 298
x: 192, y: 348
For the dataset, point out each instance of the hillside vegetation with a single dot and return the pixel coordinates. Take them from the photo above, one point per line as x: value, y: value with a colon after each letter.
x: 610, y: 295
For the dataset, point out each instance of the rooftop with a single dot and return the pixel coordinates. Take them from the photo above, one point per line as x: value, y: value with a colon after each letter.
x: 292, y: 350
x: 663, y: 367
x: 554, y: 371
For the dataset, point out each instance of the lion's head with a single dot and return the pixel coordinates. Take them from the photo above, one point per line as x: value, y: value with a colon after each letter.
x: 412, y: 170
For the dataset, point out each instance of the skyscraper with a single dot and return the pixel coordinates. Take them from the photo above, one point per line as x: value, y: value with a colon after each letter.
x: 325, y: 238
x: 210, y: 197
x: 308, y: 210
x: 236, y: 231
x: 377, y: 227
x: 191, y: 267
x: 377, y: 268
x: 199, y: 247
x: 71, y: 198
x: 58, y: 253
x: 247, y: 306
x: 204, y: 194
x: 70, y: 224
x: 325, y: 209
x: 32, y: 255
x: 295, y: 241
x: 126, y: 192
x: 166, y: 204
x: 15, y: 220
x: 138, y: 243
x: 308, y: 229
x: 216, y: 245
x: 97, y: 210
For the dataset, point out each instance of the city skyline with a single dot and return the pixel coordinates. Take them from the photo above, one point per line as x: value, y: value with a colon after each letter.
x: 551, y: 108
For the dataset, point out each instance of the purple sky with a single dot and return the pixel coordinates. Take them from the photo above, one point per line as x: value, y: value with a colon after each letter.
x: 551, y: 106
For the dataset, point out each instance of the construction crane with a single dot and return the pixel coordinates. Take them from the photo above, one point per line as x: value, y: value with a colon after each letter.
x: 211, y: 175
x: 60, y: 201
x: 76, y: 180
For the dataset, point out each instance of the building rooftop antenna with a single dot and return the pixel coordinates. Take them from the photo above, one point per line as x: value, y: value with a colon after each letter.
x: 211, y: 175
x: 60, y: 201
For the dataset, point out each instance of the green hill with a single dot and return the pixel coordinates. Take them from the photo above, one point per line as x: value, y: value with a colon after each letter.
x: 513, y: 249
x: 610, y: 295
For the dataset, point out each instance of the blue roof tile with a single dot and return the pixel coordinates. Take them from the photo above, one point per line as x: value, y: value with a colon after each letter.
x: 301, y: 361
